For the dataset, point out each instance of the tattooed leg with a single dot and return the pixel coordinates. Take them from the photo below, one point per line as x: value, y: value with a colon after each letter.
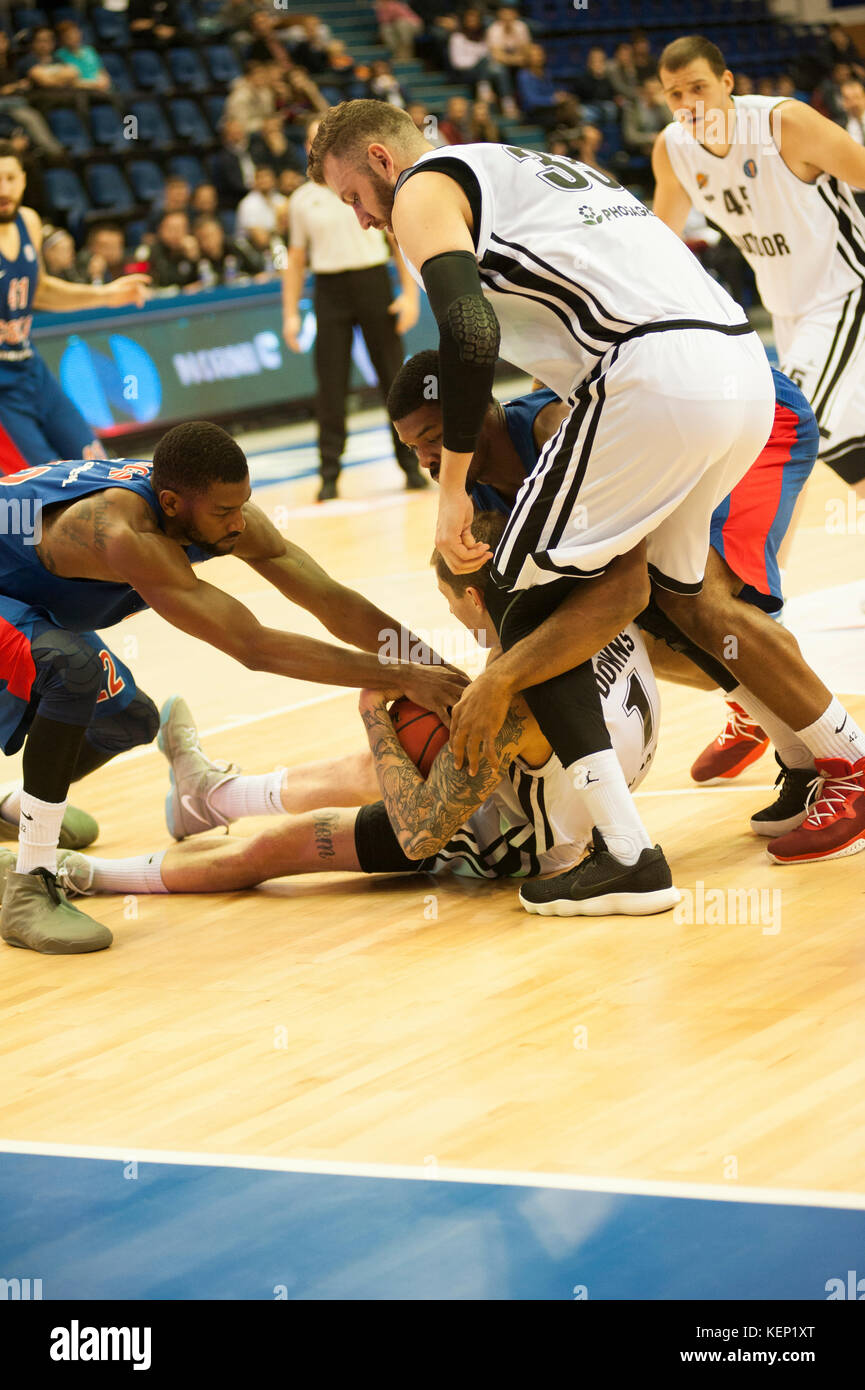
x: 317, y: 842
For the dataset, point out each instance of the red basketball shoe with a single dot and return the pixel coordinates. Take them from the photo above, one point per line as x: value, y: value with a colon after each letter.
x: 835, y: 824
x: 740, y: 744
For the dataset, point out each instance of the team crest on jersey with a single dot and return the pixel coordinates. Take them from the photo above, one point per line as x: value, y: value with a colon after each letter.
x: 29, y: 253
x: 702, y: 180
x: 750, y: 167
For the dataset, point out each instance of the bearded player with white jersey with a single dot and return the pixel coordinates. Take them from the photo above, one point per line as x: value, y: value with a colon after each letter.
x: 670, y: 400
x: 776, y: 176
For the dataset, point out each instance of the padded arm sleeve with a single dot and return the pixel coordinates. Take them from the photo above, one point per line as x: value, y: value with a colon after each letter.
x: 469, y: 338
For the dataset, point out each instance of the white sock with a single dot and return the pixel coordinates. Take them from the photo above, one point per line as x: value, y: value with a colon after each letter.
x: 38, y: 833
x: 789, y: 746
x: 140, y: 874
x: 600, y: 781
x: 835, y: 735
x: 10, y: 808
x: 250, y: 796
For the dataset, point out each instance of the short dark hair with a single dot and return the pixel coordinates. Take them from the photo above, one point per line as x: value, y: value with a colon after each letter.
x: 681, y: 52
x: 8, y: 151
x: 347, y: 129
x: 415, y: 384
x: 486, y: 526
x: 191, y: 457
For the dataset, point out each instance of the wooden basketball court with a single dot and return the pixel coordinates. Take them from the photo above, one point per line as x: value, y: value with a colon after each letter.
x: 433, y: 1022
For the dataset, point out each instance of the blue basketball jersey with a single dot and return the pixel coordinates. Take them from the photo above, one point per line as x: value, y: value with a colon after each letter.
x: 520, y: 416
x: 76, y: 604
x: 18, y: 281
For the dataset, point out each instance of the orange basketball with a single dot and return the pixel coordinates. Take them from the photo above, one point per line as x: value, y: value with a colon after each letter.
x: 420, y: 731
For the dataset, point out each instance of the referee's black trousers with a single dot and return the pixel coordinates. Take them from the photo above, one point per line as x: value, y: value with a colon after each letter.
x: 343, y: 300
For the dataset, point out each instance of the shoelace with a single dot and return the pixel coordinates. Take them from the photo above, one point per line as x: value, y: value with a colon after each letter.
x: 739, y: 726
x: 829, y: 792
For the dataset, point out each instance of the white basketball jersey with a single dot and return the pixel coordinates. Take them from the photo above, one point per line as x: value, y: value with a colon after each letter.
x: 571, y: 263
x: 535, y: 822
x: 805, y: 241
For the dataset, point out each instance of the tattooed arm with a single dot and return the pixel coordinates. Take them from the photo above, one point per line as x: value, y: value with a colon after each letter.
x: 425, y: 814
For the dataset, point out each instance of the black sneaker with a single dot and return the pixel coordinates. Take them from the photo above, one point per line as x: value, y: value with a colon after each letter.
x: 415, y: 480
x: 790, y: 808
x: 602, y: 886
x: 327, y: 492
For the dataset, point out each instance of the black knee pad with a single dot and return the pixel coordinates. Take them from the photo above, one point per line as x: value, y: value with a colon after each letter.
x: 68, y: 676
x: 138, y: 723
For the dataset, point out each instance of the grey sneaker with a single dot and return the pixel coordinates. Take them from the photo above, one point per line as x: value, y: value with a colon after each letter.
x: 37, y: 916
x: 77, y: 831
x: 194, y: 778
x: 75, y: 874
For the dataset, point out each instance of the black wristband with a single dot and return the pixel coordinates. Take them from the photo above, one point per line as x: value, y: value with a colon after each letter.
x: 469, y: 337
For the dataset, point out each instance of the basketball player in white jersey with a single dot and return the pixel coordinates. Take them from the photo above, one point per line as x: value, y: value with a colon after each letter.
x: 573, y: 280
x: 375, y: 813
x: 776, y: 176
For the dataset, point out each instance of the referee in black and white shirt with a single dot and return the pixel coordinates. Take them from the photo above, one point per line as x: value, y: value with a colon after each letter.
x: 352, y: 286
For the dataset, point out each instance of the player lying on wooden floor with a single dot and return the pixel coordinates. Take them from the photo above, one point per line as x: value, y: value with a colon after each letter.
x: 376, y: 813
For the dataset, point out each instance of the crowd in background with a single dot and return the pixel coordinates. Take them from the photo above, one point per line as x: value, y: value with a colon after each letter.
x: 235, y: 225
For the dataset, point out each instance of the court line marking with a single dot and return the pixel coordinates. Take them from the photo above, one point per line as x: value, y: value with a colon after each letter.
x: 626, y: 1187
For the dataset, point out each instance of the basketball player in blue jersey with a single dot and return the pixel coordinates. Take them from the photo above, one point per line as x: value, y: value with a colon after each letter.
x: 551, y: 264
x: 105, y: 539
x: 38, y: 422
x: 746, y: 532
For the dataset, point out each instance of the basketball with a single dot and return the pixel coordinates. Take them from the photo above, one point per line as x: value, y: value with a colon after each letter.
x: 420, y: 731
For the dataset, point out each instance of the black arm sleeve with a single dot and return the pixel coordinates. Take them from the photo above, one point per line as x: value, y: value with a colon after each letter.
x: 469, y: 338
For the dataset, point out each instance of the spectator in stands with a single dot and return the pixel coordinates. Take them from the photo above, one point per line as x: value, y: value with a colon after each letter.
x: 204, y: 201
x: 40, y: 64
x: 853, y: 102
x: 384, y: 86
x: 175, y: 198
x: 645, y: 117
x: 595, y: 90
x: 155, y: 23
x: 79, y: 55
x: 299, y: 96
x: 454, y: 126
x: 58, y: 253
x: 271, y: 146
x: 289, y: 181
x: 340, y: 64
x: 539, y: 97
x: 839, y: 47
x: 103, y: 256
x: 827, y: 97
x: 645, y: 62
x: 235, y: 20
x: 174, y: 253
x: 482, y: 127
x: 214, y: 247
x: 766, y: 86
x: 398, y: 26
x: 509, y: 39
x: 251, y: 99
x: 309, y: 48
x: 426, y: 123
x: 262, y: 214
x: 588, y: 147
x: 266, y: 46
x: 14, y: 103
x: 622, y: 72
x: 470, y: 60
x: 233, y: 166
x: 744, y: 86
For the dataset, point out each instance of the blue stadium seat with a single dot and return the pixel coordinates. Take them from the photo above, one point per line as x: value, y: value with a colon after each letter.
x: 117, y: 70
x: 228, y: 218
x: 215, y: 107
x: 187, y: 70
x: 188, y: 122
x: 135, y: 233
x: 154, y: 132
x: 111, y: 28
x: 188, y: 167
x: 68, y: 128
x: 146, y: 179
x: 107, y: 128
x: 148, y: 71
x: 222, y: 62
x: 28, y: 18
x: 108, y: 188
x: 65, y: 196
